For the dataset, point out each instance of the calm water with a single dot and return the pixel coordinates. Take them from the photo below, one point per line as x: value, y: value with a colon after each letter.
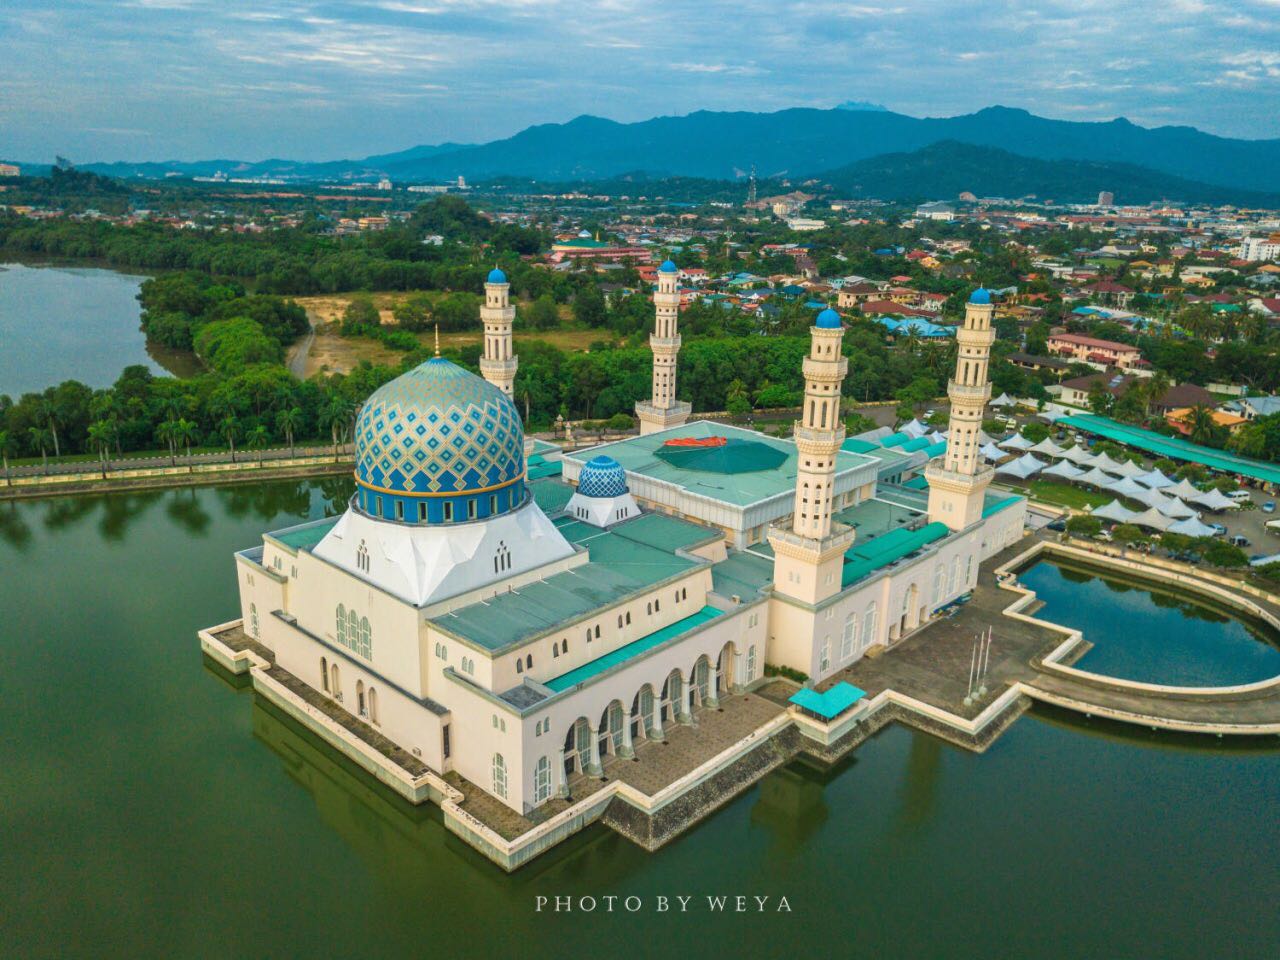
x: 151, y: 809
x: 1141, y: 634
x: 61, y: 323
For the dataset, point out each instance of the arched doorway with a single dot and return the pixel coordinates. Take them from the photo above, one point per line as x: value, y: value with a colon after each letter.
x: 727, y: 670
x: 673, y: 702
x: 577, y: 747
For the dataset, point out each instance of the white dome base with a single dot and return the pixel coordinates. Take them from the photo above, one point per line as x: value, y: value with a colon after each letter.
x: 430, y: 562
x: 602, y: 511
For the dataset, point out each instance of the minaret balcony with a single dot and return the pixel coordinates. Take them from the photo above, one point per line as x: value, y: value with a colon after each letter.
x: 959, y: 392
x: 664, y: 343
x: 968, y: 337
x: 815, y: 437
x: 503, y: 369
x: 825, y: 371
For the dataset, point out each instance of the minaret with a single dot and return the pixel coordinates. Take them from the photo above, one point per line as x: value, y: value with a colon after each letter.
x: 498, y: 362
x: 809, y: 555
x: 664, y: 410
x: 958, y: 484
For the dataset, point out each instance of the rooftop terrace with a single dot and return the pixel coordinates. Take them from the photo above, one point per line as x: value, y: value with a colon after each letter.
x: 304, y: 536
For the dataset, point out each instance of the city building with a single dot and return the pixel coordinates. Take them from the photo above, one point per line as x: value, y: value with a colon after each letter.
x: 1093, y: 350
x: 10, y: 170
x: 1255, y: 249
x: 520, y: 637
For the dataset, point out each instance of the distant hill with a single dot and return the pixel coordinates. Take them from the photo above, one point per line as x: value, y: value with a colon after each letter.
x: 943, y: 170
x: 800, y: 142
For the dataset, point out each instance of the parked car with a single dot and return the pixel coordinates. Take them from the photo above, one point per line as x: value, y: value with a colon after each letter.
x: 1239, y: 494
x: 1058, y: 525
x: 1269, y: 507
x: 1239, y: 541
x: 1218, y: 529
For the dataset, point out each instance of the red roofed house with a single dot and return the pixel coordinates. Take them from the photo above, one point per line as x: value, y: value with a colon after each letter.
x: 1092, y: 350
x: 1269, y: 307
x: 1108, y: 291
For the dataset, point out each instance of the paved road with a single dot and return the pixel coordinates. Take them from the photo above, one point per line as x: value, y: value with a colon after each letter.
x: 137, y: 463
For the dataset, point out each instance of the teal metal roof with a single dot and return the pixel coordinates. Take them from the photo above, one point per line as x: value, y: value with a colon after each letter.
x: 998, y: 505
x: 895, y: 439
x: 305, y: 535
x: 741, y: 575
x: 855, y: 445
x: 936, y: 449
x: 618, y: 568
x: 631, y: 650
x: 917, y: 482
x: 866, y: 558
x: 551, y: 495
x: 918, y: 443
x: 639, y: 455
x: 539, y: 468
x: 665, y: 533
x: 1174, y: 448
x: 830, y: 704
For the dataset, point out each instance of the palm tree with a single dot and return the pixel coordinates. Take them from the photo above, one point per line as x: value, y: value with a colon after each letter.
x: 47, y: 410
x: 1154, y: 389
x: 100, y: 434
x: 257, y: 440
x: 230, y: 429
x: 335, y: 414
x: 42, y: 438
x: 288, y: 421
x: 4, y: 455
x: 1203, y: 428
x: 167, y: 431
x: 184, y: 432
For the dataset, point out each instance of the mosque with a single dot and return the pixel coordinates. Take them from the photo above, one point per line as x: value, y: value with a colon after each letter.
x: 522, y: 617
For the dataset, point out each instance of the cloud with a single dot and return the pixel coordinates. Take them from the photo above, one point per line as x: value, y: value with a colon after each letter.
x: 325, y: 78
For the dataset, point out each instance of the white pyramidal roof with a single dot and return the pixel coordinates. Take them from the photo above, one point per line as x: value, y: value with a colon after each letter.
x: 1153, y: 519
x: 992, y: 452
x: 1025, y: 466
x: 1004, y: 400
x: 1192, y: 527
x: 429, y: 562
x: 1127, y: 487
x: 1104, y: 462
x: 1130, y: 469
x: 914, y: 428
x: 1077, y: 455
x: 1175, y: 508
x: 1048, y: 448
x: 985, y: 438
x: 1064, y: 470
x: 1155, y: 479
x: 1184, y: 488
x: 938, y: 436
x: 1095, y: 478
x: 1214, y: 499
x: 1115, y: 511
x: 1017, y: 442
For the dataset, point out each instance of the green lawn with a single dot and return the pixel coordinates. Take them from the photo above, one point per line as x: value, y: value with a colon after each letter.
x: 1066, y: 495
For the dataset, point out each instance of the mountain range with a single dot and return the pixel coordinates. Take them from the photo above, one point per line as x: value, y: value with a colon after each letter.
x: 797, y: 143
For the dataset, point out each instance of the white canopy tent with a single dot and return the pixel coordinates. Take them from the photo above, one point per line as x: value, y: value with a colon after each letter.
x: 1215, y: 500
x: 1022, y: 468
x: 913, y: 429
x: 1175, y: 509
x: 1064, y: 470
x: 1127, y: 487
x: 1192, y: 527
x: 1130, y: 469
x: 1048, y: 448
x: 1095, y: 478
x: 1116, y: 512
x: 1105, y: 463
x: 1155, y: 479
x: 1153, y: 519
x: 1004, y: 400
x: 1080, y: 456
x: 1016, y: 442
x: 985, y: 438
x: 1184, y: 488
x: 992, y: 452
x: 938, y: 436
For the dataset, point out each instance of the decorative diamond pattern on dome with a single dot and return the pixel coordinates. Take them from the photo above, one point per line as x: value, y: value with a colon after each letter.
x: 602, y: 477
x: 465, y: 435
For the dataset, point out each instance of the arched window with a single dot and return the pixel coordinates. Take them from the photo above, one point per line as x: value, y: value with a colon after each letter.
x: 824, y: 655
x: 362, y: 557
x: 628, y: 617
x: 334, y: 686
x: 519, y: 665
x: 528, y: 662
x: 253, y: 619
x: 499, y: 776
x: 501, y: 558
x: 597, y: 631
x: 324, y: 673
x: 366, y: 639
x: 541, y: 780
x: 555, y: 650
x: 353, y: 629
x: 751, y: 662
x: 849, y: 639
x: 869, y: 626
x: 373, y: 705
x: 341, y: 630
x: 564, y: 645
x: 361, y: 708
x: 619, y: 621
x: 968, y: 571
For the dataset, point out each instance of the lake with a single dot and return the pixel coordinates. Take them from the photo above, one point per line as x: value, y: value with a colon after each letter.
x: 151, y: 808
x: 1149, y: 635
x: 73, y: 323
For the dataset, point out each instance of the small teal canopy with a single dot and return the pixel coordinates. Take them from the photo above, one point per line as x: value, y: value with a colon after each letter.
x: 497, y: 276
x: 830, y: 704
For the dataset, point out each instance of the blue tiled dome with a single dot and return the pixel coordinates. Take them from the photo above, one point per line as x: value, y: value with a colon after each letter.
x: 496, y: 276
x: 437, y: 445
x: 602, y: 477
x: 667, y: 267
x: 828, y: 319
x: 982, y: 295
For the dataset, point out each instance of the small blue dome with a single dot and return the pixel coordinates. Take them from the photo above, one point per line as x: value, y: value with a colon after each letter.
x: 982, y: 295
x: 496, y: 276
x: 667, y: 267
x: 602, y: 477
x: 828, y: 319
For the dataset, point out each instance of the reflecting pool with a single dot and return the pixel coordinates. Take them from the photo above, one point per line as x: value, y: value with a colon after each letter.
x: 152, y: 808
x: 1141, y: 632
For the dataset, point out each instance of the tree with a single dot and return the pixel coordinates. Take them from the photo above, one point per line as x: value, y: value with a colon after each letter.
x: 1035, y: 432
x: 360, y: 314
x: 101, y: 433
x: 4, y: 455
x: 41, y: 437
x: 229, y: 427
x: 737, y: 402
x: 589, y: 306
x: 1204, y: 429
x: 257, y: 440
x: 1100, y: 399
x: 288, y: 421
x: 50, y: 414
x: 165, y: 432
x: 1223, y: 554
x: 542, y: 314
x: 1126, y: 533
x: 1084, y: 526
x: 620, y: 422
x: 184, y: 432
x: 336, y: 414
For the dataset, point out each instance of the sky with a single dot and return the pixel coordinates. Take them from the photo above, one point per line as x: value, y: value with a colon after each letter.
x: 194, y: 79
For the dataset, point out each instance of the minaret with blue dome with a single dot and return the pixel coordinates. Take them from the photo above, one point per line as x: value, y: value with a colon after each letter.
x: 664, y: 411
x: 958, y: 484
x: 498, y: 361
